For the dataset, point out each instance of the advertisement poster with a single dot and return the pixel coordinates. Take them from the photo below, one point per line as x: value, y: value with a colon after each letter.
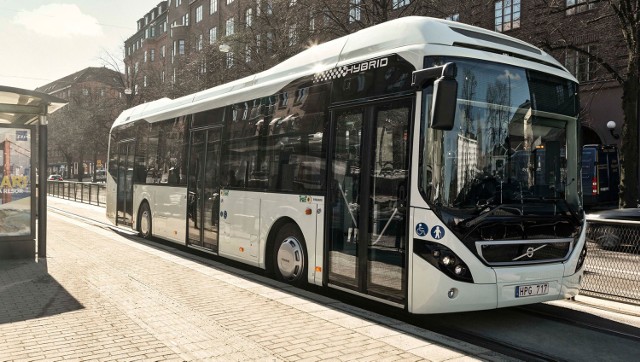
x: 15, y: 183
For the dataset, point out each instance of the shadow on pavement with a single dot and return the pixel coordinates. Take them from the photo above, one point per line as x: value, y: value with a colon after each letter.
x: 27, y: 291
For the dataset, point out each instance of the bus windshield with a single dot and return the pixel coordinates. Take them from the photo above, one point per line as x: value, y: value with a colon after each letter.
x: 512, y: 150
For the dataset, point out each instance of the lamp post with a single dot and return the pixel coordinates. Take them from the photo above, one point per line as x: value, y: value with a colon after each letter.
x: 611, y: 125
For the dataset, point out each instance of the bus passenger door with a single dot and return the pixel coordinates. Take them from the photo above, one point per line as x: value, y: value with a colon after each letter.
x: 204, y: 189
x: 368, y: 198
x: 124, y: 179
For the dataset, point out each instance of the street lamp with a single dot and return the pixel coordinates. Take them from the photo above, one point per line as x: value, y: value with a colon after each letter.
x: 611, y: 125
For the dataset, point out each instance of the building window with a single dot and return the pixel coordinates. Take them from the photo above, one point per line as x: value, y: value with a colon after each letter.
x: 199, y: 42
x: 213, y: 6
x: 292, y: 2
x: 213, y: 35
x: 152, y: 54
x: 248, y: 16
x: 354, y: 11
x: 579, y: 64
x: 199, y: 14
x: 258, y: 38
x: 293, y: 35
x: 247, y: 52
x: 144, y: 81
x: 507, y: 13
x: 229, y: 59
x: 454, y: 17
x: 178, y: 47
x: 269, y: 42
x: 178, y: 2
x: 229, y: 2
x: 312, y: 22
x: 578, y: 6
x: 85, y: 92
x: 162, y: 76
x: 163, y: 51
x: 397, y: 4
x: 145, y: 56
x: 229, y: 27
x: 269, y: 10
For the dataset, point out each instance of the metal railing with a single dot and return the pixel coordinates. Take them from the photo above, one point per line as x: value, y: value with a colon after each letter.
x: 612, y: 266
x: 89, y: 193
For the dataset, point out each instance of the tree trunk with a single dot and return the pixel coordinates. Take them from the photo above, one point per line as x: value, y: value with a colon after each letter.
x: 629, y: 150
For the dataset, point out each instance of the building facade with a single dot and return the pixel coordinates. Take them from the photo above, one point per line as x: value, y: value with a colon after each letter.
x: 78, y: 134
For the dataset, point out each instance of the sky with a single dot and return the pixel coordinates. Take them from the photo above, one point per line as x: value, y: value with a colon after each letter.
x: 42, y: 41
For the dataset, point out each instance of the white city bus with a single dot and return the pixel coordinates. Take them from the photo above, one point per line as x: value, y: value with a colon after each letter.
x: 400, y: 163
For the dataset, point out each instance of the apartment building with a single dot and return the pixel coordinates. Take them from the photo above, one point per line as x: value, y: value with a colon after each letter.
x: 78, y: 134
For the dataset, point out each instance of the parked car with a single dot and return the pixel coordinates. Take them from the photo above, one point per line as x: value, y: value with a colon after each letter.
x: 54, y: 178
x: 612, y: 229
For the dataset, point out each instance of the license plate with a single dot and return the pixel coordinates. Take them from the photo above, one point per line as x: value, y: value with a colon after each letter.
x: 531, y: 290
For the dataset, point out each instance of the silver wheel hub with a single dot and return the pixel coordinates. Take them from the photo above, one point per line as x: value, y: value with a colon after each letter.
x: 290, y: 259
x: 144, y: 222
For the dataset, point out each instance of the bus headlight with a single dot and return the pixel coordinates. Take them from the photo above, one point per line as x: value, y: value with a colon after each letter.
x: 582, y: 257
x: 444, y: 259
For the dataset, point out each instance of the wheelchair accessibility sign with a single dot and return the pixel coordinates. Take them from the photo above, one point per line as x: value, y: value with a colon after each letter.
x: 422, y: 229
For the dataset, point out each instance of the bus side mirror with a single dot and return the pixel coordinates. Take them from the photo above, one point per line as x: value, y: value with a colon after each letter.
x: 445, y: 91
x: 443, y: 107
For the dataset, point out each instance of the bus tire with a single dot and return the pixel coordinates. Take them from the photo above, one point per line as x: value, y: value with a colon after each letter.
x: 290, y: 261
x: 144, y: 221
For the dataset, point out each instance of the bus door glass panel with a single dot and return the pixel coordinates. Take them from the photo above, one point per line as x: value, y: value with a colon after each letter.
x: 203, y: 193
x: 368, y: 197
x: 345, y: 199
x: 389, y: 177
x: 211, y: 190
x: 195, y: 187
x: 124, y: 206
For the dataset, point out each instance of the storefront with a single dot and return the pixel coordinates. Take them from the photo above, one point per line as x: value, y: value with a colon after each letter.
x: 23, y: 147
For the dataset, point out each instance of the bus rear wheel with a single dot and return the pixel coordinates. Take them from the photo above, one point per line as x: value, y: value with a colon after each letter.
x: 290, y: 256
x: 144, y: 221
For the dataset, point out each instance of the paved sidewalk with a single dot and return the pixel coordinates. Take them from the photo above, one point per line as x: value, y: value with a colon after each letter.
x: 102, y: 296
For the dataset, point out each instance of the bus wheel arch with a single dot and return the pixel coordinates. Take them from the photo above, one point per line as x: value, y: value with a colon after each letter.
x: 287, y: 259
x: 145, y: 222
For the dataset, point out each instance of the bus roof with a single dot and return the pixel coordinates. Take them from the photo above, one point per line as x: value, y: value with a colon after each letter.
x: 383, y: 39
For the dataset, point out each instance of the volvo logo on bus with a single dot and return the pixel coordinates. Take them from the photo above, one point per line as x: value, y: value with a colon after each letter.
x: 530, y: 252
x: 345, y: 70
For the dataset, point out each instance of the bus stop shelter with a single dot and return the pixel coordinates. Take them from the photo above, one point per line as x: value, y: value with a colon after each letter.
x: 23, y: 150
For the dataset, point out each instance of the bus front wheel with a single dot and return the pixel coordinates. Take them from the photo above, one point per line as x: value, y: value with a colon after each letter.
x: 290, y: 256
x: 144, y: 221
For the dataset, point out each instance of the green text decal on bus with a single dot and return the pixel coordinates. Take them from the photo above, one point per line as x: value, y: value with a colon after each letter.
x: 425, y: 164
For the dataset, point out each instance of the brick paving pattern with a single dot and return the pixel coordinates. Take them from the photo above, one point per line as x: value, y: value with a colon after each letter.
x: 101, y: 296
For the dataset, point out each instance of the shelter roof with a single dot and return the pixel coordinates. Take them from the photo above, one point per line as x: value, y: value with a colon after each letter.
x: 23, y: 107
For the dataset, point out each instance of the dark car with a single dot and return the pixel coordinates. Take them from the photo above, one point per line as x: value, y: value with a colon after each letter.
x: 613, y: 229
x: 54, y: 178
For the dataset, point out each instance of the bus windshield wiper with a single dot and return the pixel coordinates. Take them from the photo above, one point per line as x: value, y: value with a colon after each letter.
x: 490, y: 212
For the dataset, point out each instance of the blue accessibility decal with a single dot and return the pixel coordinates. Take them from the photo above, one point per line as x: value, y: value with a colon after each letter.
x: 437, y: 232
x: 422, y: 229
